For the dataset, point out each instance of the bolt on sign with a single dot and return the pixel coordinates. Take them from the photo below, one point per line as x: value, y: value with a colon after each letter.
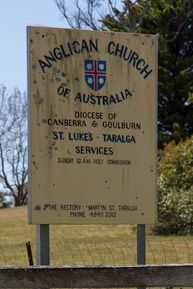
x: 92, y: 127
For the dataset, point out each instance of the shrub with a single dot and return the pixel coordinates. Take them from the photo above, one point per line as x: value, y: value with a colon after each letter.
x: 176, y: 166
x: 175, y: 189
x: 175, y: 210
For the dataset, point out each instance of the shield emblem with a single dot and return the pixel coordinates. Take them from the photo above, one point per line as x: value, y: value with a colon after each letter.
x: 95, y: 73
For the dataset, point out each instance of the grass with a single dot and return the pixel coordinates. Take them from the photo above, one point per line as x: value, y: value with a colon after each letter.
x: 87, y: 244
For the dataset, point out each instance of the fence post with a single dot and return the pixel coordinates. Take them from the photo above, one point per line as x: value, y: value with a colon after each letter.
x: 42, y: 245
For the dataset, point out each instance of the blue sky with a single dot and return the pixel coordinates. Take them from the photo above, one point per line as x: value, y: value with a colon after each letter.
x: 15, y: 16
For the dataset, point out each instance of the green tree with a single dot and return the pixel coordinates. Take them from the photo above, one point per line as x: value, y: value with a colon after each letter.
x: 173, y: 21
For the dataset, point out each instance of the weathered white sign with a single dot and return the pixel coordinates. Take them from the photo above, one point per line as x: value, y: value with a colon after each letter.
x: 92, y: 127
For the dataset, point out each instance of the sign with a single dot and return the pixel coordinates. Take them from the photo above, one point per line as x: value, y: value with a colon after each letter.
x: 92, y: 127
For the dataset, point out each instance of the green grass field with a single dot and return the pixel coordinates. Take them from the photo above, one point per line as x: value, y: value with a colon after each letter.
x: 87, y: 244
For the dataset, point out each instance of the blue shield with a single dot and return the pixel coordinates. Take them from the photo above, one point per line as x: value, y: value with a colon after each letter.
x: 95, y: 73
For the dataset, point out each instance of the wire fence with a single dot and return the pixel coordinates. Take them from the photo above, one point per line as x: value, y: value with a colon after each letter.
x: 111, y: 252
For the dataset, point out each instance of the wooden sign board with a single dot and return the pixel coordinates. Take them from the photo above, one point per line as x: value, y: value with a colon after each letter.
x: 92, y: 127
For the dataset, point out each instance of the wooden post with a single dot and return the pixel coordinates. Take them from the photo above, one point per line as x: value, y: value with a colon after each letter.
x: 29, y: 253
x: 42, y: 245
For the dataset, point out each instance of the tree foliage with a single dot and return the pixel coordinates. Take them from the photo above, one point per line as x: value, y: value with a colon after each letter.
x: 175, y: 189
x: 173, y: 21
x: 13, y: 143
